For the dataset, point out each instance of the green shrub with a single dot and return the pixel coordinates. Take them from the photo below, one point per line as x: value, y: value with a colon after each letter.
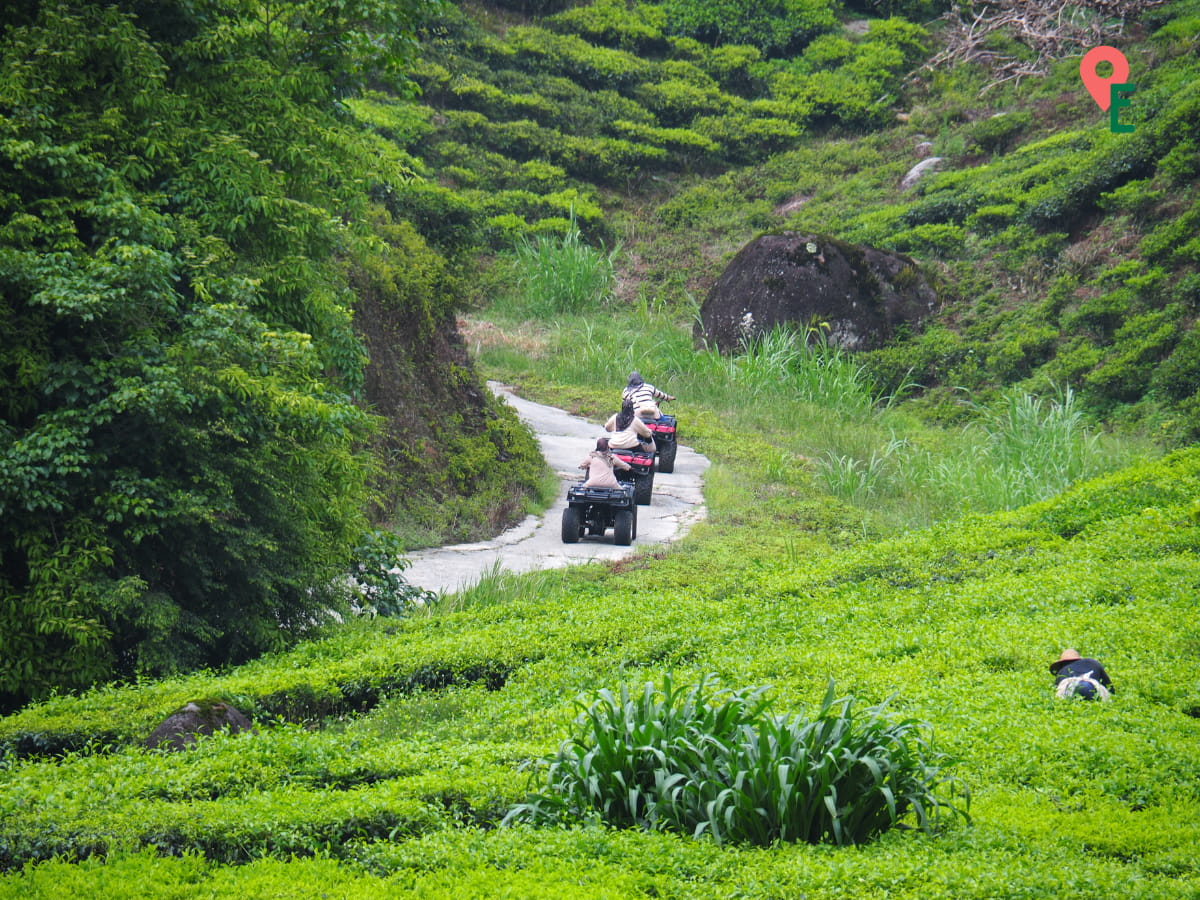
x: 1100, y: 315
x: 1173, y: 481
x: 444, y: 217
x: 745, y: 138
x: 1178, y: 376
x: 842, y: 96
x: 612, y: 23
x: 997, y: 133
x: 376, y: 578
x: 733, y: 66
x: 705, y: 762
x: 917, y: 10
x: 828, y: 52
x: 521, y: 139
x: 776, y: 27
x: 677, y: 103
x: 593, y: 67
x: 681, y: 142
x: 938, y: 240
x: 481, y: 96
x: 938, y: 210
x: 1139, y: 345
x: 1016, y: 357
x: 1167, y: 241
x: 400, y: 121
x: 991, y: 218
x: 1073, y: 361
x: 610, y: 160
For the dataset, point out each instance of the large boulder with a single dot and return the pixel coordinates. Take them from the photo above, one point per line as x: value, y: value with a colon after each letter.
x: 196, y: 718
x: 862, y: 293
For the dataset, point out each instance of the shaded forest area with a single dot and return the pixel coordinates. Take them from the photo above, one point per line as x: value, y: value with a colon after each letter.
x: 224, y: 359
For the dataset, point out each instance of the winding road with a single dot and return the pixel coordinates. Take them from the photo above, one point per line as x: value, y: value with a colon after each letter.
x: 536, y: 543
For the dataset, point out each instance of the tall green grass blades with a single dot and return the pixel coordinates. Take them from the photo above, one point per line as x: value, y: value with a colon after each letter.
x: 717, y: 763
x: 562, y: 274
x: 804, y: 365
x: 854, y: 479
x: 1040, y: 446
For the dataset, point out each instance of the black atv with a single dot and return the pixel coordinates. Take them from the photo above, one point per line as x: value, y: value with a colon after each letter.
x: 640, y: 473
x: 591, y: 510
x: 663, y: 430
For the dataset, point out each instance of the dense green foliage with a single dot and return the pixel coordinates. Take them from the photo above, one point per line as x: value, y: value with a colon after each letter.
x: 416, y: 729
x: 551, y: 116
x: 846, y: 538
x: 1062, y: 252
x: 184, y: 450
x: 777, y: 28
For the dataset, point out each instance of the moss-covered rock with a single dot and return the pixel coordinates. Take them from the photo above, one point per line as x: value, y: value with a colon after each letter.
x: 863, y: 293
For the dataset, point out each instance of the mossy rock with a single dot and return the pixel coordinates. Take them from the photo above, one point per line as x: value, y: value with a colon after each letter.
x: 196, y: 718
x: 788, y: 278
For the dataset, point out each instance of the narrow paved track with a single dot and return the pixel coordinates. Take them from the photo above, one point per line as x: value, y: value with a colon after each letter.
x: 536, y: 543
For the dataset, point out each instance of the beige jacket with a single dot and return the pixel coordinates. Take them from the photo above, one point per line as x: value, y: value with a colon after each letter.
x: 600, y: 469
x: 634, y: 436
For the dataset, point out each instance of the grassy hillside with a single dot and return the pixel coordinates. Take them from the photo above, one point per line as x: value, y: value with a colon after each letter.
x: 386, y: 754
x: 849, y: 537
x: 1065, y: 254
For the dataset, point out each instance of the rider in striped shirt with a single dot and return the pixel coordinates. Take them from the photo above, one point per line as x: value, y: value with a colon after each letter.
x: 643, y: 396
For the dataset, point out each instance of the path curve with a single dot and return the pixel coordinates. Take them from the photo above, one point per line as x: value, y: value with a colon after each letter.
x: 536, y: 543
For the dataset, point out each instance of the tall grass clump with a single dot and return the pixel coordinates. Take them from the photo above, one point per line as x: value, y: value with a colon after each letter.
x: 564, y: 274
x: 699, y: 761
x: 788, y: 365
x: 855, y: 480
x: 1022, y: 449
x: 1042, y: 445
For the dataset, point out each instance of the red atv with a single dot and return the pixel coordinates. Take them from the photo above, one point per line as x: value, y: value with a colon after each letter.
x: 640, y: 473
x: 663, y: 429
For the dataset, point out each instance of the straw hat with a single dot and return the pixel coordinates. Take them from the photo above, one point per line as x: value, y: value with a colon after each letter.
x: 1068, y: 655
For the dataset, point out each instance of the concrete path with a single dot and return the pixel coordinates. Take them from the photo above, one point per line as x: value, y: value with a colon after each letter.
x: 536, y: 543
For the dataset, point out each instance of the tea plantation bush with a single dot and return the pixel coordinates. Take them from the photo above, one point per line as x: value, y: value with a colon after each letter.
x: 957, y: 621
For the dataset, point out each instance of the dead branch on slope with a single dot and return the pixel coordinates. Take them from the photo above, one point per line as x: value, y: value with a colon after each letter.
x: 1050, y: 29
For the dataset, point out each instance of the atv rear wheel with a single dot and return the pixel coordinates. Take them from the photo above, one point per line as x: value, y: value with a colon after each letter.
x: 643, y: 489
x: 666, y: 457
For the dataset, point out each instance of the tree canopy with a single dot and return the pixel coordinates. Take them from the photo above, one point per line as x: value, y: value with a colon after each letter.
x: 182, y: 463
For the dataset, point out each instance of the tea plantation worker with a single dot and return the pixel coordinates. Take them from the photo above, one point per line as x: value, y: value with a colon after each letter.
x: 1080, y: 676
x: 643, y: 394
x: 600, y: 463
x: 629, y: 432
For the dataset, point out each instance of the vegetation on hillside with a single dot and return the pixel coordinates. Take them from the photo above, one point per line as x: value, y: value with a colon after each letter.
x: 1064, y: 253
x: 188, y: 457
x: 390, y: 751
x: 850, y: 538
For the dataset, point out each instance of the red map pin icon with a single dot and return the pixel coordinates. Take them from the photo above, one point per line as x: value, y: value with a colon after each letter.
x: 1096, y: 85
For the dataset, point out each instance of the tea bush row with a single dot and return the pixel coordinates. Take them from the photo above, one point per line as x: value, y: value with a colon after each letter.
x: 557, y: 866
x: 959, y: 620
x: 345, y: 673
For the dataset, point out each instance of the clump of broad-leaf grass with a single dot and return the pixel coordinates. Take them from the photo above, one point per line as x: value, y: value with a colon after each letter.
x: 698, y: 760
